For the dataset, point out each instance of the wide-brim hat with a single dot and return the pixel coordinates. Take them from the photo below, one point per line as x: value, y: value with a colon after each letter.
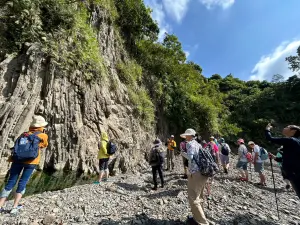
x: 188, y: 132
x: 38, y: 121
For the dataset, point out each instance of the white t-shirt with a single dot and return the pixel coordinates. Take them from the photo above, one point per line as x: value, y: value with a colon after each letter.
x: 256, y: 150
x: 243, y: 152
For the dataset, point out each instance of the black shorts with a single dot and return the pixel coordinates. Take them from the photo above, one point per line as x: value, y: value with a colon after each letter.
x: 103, y: 164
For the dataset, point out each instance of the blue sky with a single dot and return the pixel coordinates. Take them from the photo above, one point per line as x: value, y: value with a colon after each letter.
x: 248, y: 38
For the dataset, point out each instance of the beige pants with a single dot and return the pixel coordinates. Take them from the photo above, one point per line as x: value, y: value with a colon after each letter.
x: 196, y: 185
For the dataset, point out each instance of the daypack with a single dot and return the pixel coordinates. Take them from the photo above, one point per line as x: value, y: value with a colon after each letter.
x: 263, y: 154
x: 111, y: 148
x: 26, y: 147
x: 224, y: 149
x: 155, y: 158
x: 206, y: 163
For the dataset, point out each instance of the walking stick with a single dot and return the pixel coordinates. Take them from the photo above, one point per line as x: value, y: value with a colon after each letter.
x: 250, y: 172
x: 274, y: 187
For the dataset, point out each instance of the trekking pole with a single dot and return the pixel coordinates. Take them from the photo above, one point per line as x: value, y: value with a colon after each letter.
x: 274, y: 187
x: 250, y: 172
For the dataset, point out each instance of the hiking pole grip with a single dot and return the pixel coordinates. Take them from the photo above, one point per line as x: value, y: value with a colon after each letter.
x: 275, y: 192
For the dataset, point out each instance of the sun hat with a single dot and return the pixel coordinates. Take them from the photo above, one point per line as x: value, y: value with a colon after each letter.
x: 188, y: 132
x: 172, y: 136
x: 212, y: 137
x: 251, y: 143
x: 241, y: 141
x: 38, y: 121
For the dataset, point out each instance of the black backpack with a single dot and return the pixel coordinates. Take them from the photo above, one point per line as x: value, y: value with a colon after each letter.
x: 155, y: 158
x: 224, y: 149
x: 111, y: 148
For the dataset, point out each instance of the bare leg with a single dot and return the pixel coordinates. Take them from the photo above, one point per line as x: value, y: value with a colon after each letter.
x: 106, y: 173
x: 2, y: 201
x: 18, y: 197
x: 101, y: 175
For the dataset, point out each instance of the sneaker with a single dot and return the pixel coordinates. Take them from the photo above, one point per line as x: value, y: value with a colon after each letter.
x: 15, y: 210
x: 154, y: 188
x: 184, y: 176
x: 97, y: 182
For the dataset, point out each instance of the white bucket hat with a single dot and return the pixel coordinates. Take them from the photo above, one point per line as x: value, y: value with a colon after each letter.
x: 251, y: 143
x: 188, y: 132
x: 38, y: 121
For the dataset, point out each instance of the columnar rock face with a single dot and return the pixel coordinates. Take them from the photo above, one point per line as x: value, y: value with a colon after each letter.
x: 77, y: 111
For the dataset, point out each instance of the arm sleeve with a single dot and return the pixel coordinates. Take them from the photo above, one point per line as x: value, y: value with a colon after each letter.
x: 103, y: 147
x: 189, y: 152
x: 228, y: 147
x: 276, y: 140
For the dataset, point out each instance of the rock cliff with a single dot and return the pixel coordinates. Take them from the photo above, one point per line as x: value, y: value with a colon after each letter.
x: 77, y: 110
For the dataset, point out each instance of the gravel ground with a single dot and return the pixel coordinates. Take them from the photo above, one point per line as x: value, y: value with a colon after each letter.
x: 128, y: 199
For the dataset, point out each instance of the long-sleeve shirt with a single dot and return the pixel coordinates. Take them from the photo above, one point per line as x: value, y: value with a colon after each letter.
x: 191, y: 154
x: 291, y: 152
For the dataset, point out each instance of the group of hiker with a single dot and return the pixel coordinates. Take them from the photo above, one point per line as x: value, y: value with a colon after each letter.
x: 201, y: 161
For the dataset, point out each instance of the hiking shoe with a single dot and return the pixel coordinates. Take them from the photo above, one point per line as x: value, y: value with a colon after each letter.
x: 15, y: 210
x: 209, y: 198
x: 97, y: 182
x: 154, y: 188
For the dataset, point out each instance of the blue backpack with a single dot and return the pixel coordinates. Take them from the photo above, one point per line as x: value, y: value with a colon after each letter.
x: 263, y: 154
x: 111, y: 148
x: 26, y: 147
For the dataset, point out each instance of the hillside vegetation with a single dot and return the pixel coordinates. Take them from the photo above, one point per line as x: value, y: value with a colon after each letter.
x: 159, y: 78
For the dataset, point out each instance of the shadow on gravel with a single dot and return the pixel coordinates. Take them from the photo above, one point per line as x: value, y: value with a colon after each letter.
x: 246, y: 219
x: 270, y: 189
x: 129, y: 187
x: 170, y: 193
x: 142, y: 219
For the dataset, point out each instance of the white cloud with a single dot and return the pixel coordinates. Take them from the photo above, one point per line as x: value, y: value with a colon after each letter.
x: 275, y: 63
x: 159, y: 16
x: 209, y: 4
x: 187, y: 54
x: 177, y: 9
